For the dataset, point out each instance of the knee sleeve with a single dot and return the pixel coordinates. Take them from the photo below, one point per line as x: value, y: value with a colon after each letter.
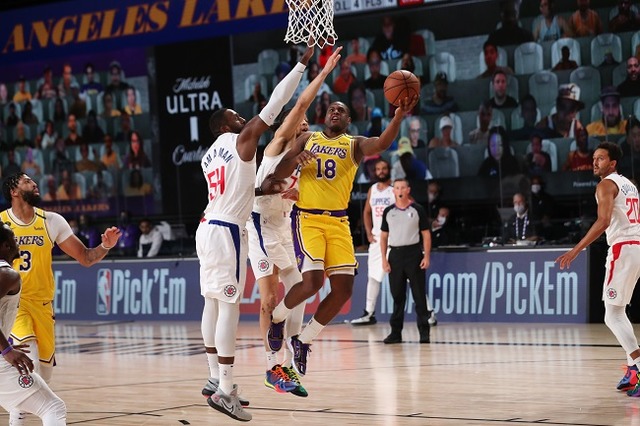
x: 290, y: 277
x: 228, y: 317
x: 209, y: 318
x: 616, y: 319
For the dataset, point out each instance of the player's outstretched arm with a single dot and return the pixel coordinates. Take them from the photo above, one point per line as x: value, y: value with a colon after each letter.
x: 247, y: 142
x: 376, y: 145
x: 90, y: 256
x: 292, y: 122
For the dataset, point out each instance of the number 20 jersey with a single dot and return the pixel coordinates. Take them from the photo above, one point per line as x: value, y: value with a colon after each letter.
x: 327, y: 181
x: 230, y: 181
x: 625, y: 224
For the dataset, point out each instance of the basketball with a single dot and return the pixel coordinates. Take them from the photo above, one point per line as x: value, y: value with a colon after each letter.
x: 399, y: 85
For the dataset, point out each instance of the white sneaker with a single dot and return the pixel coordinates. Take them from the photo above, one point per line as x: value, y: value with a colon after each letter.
x: 366, y: 319
x: 212, y: 386
x: 229, y: 404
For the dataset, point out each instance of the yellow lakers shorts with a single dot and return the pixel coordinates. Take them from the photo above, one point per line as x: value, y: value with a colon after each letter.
x: 323, y: 239
x: 36, y: 321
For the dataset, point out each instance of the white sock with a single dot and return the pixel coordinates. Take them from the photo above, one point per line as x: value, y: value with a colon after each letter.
x: 214, y: 370
x: 310, y: 332
x: 272, y: 359
x: 280, y: 313
x: 226, y: 378
x: 373, y: 290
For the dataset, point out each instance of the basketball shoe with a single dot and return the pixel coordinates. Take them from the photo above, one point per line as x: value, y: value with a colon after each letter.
x: 433, y: 321
x: 635, y: 392
x: 278, y: 380
x: 299, y: 390
x: 275, y: 335
x: 299, y: 351
x: 229, y: 404
x: 366, y: 319
x: 629, y: 380
x: 212, y: 386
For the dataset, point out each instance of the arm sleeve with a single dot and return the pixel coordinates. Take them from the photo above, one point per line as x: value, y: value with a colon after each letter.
x: 282, y: 94
x: 58, y: 227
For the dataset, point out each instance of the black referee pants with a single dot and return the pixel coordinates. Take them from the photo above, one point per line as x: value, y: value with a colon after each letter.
x: 405, y: 264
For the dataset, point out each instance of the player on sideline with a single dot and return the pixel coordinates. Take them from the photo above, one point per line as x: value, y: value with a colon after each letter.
x: 229, y: 168
x: 270, y: 240
x: 619, y: 217
x: 380, y: 196
x: 37, y: 230
x: 322, y: 237
x: 22, y: 389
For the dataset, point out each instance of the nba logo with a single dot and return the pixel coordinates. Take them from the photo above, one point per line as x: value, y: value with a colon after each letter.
x: 103, y: 304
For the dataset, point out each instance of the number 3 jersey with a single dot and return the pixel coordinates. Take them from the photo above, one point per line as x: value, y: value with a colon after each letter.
x: 624, y: 225
x: 35, y: 241
x: 326, y: 182
x: 230, y: 181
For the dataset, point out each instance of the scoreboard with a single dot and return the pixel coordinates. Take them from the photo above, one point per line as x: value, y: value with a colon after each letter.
x: 346, y: 7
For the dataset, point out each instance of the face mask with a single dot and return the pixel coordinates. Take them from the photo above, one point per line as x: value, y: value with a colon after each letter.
x: 519, y: 209
x: 535, y: 188
x: 431, y: 196
x: 441, y: 220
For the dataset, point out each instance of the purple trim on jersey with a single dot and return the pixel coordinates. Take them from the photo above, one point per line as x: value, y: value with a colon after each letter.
x: 256, y: 223
x: 297, y: 249
x: 334, y: 213
x: 235, y: 235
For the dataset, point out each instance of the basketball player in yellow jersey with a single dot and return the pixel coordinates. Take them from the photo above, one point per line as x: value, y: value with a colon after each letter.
x: 322, y: 237
x: 37, y: 231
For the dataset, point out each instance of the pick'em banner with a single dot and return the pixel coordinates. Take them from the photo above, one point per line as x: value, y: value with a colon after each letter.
x: 475, y: 286
x: 193, y: 79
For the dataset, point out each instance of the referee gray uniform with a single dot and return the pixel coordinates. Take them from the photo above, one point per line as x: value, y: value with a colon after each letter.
x: 404, y: 227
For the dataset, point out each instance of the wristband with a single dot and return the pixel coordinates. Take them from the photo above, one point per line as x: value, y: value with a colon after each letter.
x: 105, y: 247
x: 6, y: 350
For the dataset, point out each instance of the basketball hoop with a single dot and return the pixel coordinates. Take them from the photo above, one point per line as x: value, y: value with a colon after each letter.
x: 311, y: 22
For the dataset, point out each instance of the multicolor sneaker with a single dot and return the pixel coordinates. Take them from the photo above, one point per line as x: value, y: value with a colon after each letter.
x: 212, y: 386
x: 299, y: 351
x: 229, y: 404
x: 300, y: 390
x: 635, y: 392
x: 275, y: 335
x: 278, y: 380
x: 629, y: 380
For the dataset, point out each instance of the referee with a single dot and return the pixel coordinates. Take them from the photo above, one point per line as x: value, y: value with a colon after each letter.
x: 403, y: 223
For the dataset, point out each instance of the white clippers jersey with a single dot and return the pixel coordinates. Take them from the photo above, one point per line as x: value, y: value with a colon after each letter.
x: 625, y: 219
x: 274, y: 205
x: 231, y: 181
x: 379, y: 200
x: 8, y: 307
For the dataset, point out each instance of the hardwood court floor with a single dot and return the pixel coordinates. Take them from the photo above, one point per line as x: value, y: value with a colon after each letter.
x: 471, y: 374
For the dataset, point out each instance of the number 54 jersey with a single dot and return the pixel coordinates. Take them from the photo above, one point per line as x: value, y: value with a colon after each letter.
x: 326, y: 183
x: 625, y: 221
x: 230, y: 181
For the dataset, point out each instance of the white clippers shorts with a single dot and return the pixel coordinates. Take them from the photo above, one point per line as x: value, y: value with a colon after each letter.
x: 14, y: 387
x: 374, y: 264
x: 622, y: 271
x: 270, y: 244
x: 222, y: 251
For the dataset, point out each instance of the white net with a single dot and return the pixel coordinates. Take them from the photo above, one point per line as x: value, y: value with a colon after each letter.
x: 311, y: 22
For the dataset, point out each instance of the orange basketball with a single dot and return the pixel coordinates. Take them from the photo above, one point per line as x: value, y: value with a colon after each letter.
x: 399, y: 85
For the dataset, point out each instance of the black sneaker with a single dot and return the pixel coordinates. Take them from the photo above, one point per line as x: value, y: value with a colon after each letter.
x: 300, y: 351
x: 275, y: 335
x: 393, y: 338
x: 366, y: 319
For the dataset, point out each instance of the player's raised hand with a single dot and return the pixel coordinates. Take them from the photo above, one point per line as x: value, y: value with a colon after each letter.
x: 406, y: 105
x: 110, y: 237
x: 333, y: 60
x: 305, y: 157
x: 307, y: 55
